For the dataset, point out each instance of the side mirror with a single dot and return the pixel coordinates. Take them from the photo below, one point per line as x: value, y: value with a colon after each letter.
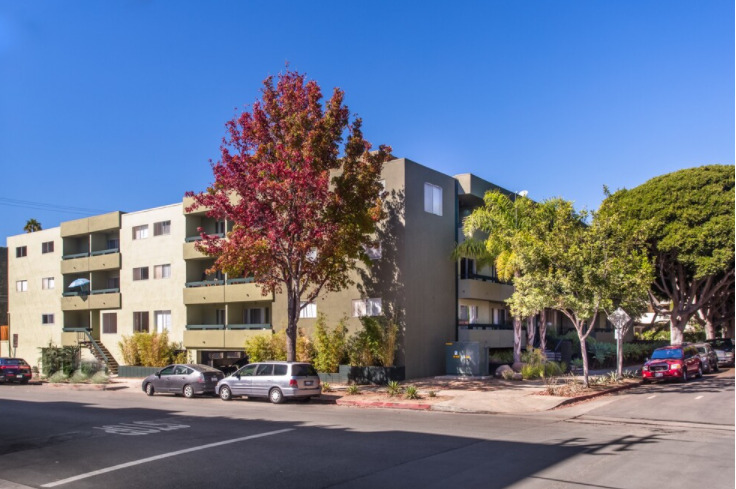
x: 158, y: 374
x: 237, y: 374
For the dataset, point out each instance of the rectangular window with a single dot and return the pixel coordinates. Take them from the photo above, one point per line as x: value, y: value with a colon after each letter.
x: 109, y: 322
x: 47, y: 247
x: 162, y: 271
x: 21, y: 285
x: 463, y: 314
x: 367, y: 307
x: 163, y: 321
x: 140, y: 322
x: 467, y: 268
x: 161, y: 228
x: 220, y: 227
x: 113, y: 282
x: 47, y: 283
x: 140, y: 273
x: 308, y: 310
x: 433, y: 199
x: 21, y: 251
x: 113, y: 244
x: 47, y: 319
x: 256, y: 315
x: 502, y: 316
x: 140, y: 232
x: 219, y: 316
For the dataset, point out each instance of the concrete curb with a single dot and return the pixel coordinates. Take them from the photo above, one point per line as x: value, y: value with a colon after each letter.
x: 416, y: 406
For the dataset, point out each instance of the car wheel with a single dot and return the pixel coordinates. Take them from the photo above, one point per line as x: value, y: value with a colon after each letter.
x: 225, y: 393
x: 700, y: 371
x: 276, y: 396
x: 684, y: 374
x: 149, y: 389
x: 188, y: 391
x: 716, y: 368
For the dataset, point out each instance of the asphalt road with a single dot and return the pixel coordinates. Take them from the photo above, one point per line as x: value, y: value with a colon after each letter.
x: 52, y: 437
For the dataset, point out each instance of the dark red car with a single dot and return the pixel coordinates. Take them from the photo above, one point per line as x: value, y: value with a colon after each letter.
x: 14, y: 370
x: 673, y: 362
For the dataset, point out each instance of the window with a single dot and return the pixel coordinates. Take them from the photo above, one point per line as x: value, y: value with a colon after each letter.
x: 220, y: 227
x: 140, y: 273
x: 47, y: 319
x: 140, y: 322
x: 367, y: 307
x: 468, y: 314
x: 161, y: 228
x: 162, y: 271
x: 219, y: 316
x: 467, y: 268
x: 433, y: 199
x: 140, y: 232
x: 113, y: 244
x: 21, y: 285
x: 308, y: 310
x: 47, y: 247
x: 21, y: 251
x: 47, y: 283
x: 113, y: 282
x: 109, y: 322
x: 256, y: 315
x: 162, y: 320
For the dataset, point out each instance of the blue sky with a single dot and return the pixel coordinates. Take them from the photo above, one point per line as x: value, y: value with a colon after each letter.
x: 120, y: 105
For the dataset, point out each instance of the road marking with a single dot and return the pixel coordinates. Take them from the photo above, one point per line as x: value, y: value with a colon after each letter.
x: 651, y: 397
x: 699, y: 397
x: 162, y: 456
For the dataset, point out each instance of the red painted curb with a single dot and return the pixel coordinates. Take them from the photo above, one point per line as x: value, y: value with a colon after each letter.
x: 382, y: 404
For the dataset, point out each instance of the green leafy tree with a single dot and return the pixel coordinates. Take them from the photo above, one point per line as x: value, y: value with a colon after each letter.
x: 302, y: 209
x: 688, y: 220
x: 580, y: 269
x: 504, y: 223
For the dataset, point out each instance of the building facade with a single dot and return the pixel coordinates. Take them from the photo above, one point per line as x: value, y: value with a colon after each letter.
x: 97, y: 279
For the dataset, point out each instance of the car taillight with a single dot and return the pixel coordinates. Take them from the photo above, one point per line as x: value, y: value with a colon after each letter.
x: 200, y: 379
x: 292, y: 383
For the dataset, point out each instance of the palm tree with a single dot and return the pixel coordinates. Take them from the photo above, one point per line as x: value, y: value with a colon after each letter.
x: 32, y: 226
x: 505, y: 221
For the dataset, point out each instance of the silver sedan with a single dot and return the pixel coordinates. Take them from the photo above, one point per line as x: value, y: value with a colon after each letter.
x: 186, y: 379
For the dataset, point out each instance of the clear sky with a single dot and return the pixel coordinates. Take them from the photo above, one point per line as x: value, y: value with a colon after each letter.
x: 120, y: 105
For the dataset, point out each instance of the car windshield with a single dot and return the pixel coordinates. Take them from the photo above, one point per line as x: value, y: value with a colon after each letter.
x: 15, y: 361
x: 663, y: 354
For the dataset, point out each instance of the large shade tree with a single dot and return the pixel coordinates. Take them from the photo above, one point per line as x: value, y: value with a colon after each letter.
x: 301, y: 208
x: 688, y: 218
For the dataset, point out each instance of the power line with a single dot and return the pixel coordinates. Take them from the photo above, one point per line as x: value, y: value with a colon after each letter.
x: 27, y: 204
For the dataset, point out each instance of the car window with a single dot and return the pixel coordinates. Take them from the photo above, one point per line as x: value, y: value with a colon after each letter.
x: 247, y: 371
x: 264, y: 369
x: 702, y: 349
x: 181, y: 370
x: 303, y: 370
x: 168, y: 370
x: 279, y: 369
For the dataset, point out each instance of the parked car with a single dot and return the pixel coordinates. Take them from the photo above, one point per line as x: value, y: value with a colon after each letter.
x: 673, y: 362
x: 233, y: 367
x: 187, y: 379
x: 724, y: 350
x: 275, y: 381
x: 708, y: 357
x: 14, y: 370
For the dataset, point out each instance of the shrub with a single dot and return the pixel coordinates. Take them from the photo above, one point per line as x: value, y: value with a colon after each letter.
x: 535, y: 356
x: 327, y: 387
x: 330, y: 346
x: 267, y: 346
x: 353, y: 390
x: 99, y: 377
x: 58, y: 377
x: 91, y: 368
x: 150, y: 350
x: 78, y: 377
x: 508, y: 375
x: 375, y: 344
x: 394, y: 389
x: 63, y: 359
x: 411, y: 392
x: 530, y: 371
x: 552, y: 369
x: 501, y: 355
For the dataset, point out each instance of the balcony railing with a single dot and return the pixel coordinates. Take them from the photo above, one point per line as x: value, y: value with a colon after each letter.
x: 205, y: 326
x: 74, y: 293
x: 106, y: 252
x: 483, y: 278
x: 205, y: 283
x: 191, y: 239
x: 75, y: 255
x: 497, y: 327
x: 232, y: 281
x: 248, y: 326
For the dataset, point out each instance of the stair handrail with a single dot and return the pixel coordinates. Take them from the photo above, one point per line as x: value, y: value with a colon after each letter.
x: 86, y: 333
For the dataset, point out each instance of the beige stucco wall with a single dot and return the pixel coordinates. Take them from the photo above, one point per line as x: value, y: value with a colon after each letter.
x: 26, y: 308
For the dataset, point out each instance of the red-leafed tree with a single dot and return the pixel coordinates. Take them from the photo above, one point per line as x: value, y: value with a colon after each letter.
x: 302, y: 211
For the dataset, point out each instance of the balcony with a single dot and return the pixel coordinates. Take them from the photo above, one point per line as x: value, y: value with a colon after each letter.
x: 86, y: 262
x: 204, y: 292
x: 206, y: 336
x: 481, y: 287
x: 96, y: 299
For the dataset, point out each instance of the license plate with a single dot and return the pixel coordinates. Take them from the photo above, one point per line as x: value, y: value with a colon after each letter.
x: 308, y: 382
x: 658, y: 374
x: 20, y: 376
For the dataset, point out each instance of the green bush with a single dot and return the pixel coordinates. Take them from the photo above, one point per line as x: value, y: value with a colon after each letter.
x: 411, y: 392
x: 268, y: 346
x: 375, y: 344
x: 78, y: 377
x: 58, y: 377
x: 531, y: 371
x: 91, y: 368
x: 63, y: 359
x: 394, y: 389
x: 553, y: 369
x: 150, y: 350
x: 99, y: 377
x: 501, y: 355
x: 330, y: 346
x: 353, y: 390
x: 535, y: 356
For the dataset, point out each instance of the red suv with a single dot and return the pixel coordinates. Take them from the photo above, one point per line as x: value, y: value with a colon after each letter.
x: 673, y: 362
x: 14, y: 369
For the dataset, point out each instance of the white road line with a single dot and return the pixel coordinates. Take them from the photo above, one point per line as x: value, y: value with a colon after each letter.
x: 699, y: 397
x: 651, y: 397
x: 162, y: 456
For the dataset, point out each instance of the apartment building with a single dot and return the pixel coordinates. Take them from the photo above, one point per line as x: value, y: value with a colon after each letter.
x: 97, y: 279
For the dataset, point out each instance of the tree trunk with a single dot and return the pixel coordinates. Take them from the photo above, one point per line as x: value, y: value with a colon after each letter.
x: 710, y: 329
x: 584, y: 353
x: 531, y: 332
x: 293, y: 312
x: 677, y: 330
x: 517, y: 339
x: 543, y: 329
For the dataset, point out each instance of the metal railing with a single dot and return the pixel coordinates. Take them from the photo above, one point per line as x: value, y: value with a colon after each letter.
x: 108, y: 251
x: 75, y: 255
x: 86, y: 332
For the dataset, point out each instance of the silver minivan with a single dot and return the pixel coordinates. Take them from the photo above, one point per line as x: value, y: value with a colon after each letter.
x: 273, y: 380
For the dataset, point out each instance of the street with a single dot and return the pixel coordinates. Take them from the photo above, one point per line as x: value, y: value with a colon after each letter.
x: 678, y: 434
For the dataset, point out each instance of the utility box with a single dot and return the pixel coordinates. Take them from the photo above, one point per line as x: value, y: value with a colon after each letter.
x: 466, y: 358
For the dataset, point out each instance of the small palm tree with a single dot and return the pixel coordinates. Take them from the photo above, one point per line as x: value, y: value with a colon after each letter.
x: 32, y: 226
